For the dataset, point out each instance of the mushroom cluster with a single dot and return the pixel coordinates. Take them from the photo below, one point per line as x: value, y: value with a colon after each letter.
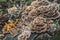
x: 38, y: 17
x: 40, y: 24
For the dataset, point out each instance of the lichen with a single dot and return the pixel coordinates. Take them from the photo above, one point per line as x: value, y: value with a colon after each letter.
x: 7, y: 27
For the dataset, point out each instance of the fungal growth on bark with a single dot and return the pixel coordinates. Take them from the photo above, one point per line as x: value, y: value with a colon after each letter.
x: 37, y: 21
x: 7, y: 27
x: 39, y: 17
x: 40, y: 24
x: 13, y: 9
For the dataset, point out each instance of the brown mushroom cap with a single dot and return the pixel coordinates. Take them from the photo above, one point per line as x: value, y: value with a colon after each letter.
x: 40, y: 25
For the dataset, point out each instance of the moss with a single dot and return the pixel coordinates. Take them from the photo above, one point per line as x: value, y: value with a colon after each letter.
x: 3, y: 0
x: 57, y: 36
